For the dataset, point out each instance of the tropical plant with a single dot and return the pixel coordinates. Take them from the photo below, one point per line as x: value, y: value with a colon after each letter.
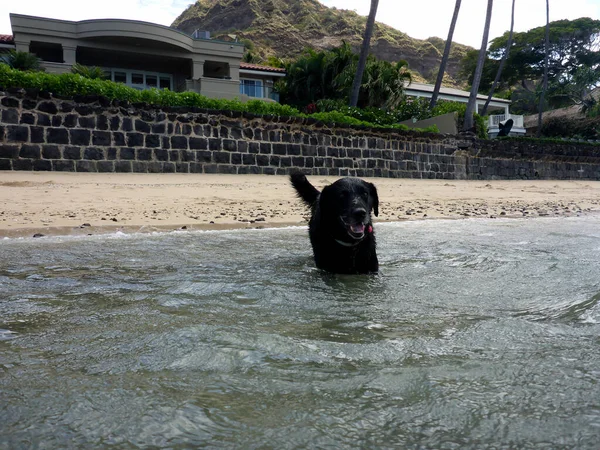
x: 445, y: 56
x: 364, y: 52
x: 502, y: 61
x: 546, y: 62
x: 22, y: 61
x: 92, y: 72
x: 468, y: 121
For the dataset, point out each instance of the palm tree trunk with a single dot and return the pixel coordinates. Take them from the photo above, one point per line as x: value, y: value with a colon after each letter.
x: 440, y: 76
x: 545, y: 83
x: 502, y: 61
x: 364, y: 52
x: 468, y: 125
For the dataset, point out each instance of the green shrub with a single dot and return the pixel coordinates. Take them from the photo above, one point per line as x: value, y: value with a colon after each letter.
x: 572, y: 128
x: 22, y: 61
x: 92, y: 72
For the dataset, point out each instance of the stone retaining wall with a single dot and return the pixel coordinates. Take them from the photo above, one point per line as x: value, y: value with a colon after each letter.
x: 40, y: 132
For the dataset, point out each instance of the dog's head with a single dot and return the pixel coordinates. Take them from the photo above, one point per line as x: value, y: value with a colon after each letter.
x: 346, y: 206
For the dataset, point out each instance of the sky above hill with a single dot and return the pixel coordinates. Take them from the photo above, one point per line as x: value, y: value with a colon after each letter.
x: 420, y: 19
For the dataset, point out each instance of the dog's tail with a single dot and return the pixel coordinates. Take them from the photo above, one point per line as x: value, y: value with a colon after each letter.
x: 304, y: 189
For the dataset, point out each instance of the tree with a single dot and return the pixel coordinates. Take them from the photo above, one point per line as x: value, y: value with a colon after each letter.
x: 546, y: 61
x: 92, y: 72
x: 502, y: 61
x: 468, y: 122
x: 22, y: 61
x: 446, y: 55
x: 364, y: 52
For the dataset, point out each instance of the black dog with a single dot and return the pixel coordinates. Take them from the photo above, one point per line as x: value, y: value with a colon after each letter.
x: 340, y: 228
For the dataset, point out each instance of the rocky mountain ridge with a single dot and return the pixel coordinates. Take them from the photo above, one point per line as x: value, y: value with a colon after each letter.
x: 284, y: 28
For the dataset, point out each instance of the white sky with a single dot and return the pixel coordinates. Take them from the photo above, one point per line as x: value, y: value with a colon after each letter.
x: 419, y: 19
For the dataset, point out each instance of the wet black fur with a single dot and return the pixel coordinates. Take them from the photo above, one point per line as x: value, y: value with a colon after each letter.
x: 347, y: 201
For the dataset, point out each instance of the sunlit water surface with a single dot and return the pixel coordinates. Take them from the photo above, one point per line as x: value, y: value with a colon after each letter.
x: 476, y: 334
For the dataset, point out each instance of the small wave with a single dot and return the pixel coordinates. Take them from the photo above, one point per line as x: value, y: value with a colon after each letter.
x: 571, y: 311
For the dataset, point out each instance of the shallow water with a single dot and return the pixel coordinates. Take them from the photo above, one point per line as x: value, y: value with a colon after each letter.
x: 478, y: 333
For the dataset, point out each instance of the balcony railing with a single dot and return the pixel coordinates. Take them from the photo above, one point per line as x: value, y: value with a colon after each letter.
x: 494, y: 121
x: 259, y: 92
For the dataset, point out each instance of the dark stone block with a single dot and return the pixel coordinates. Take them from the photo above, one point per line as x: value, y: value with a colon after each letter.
x: 209, y: 168
x: 111, y: 153
x: 158, y: 128
x: 9, y: 151
x: 63, y: 166
x: 298, y: 161
x: 102, y: 122
x: 294, y: 149
x: 182, y: 167
x: 48, y: 107
x: 142, y: 126
x: 70, y: 120
x: 72, y: 152
x: 269, y: 170
x: 195, y: 168
x: 248, y: 133
x: 80, y: 137
x: 127, y: 124
x: 6, y: 164
x: 214, y: 144
x: 249, y: 160
x: 37, y: 135
x: 222, y: 157
x: 152, y: 140
x: 279, y: 149
x: 86, y: 122
x: 262, y: 160
x: 56, y: 121
x: 139, y: 167
x: 174, y: 154
x: 168, y: 167
x: 93, y: 153
x: 198, y: 143
x: 127, y: 153
x: 29, y: 103
x: 236, y: 158
x: 114, y: 123
x: 285, y: 161
x: 66, y: 107
x: 154, y: 167
x: 17, y: 133
x: 135, y: 139
x: 23, y: 164
x: 230, y: 145
x: 186, y: 155
x: 30, y: 151
x: 10, y: 102
x: 42, y: 165
x: 101, y: 138
x: 123, y: 166
x: 143, y: 154
x: 51, y: 152
x: 179, y: 142
x: 119, y: 138
x: 84, y: 110
x: 161, y: 155
x: 166, y: 142
x: 106, y: 166
x: 204, y: 156
x: 225, y: 168
x: 27, y: 118
x: 274, y: 160
x: 253, y: 147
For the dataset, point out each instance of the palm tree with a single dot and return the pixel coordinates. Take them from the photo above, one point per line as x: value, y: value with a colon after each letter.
x: 364, y: 51
x: 440, y: 76
x: 502, y: 61
x: 546, y: 58
x: 24, y: 61
x: 468, y: 122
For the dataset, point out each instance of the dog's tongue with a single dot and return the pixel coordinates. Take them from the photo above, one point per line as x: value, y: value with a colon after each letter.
x: 357, y: 228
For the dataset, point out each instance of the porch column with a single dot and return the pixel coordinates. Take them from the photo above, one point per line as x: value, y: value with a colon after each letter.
x: 234, y: 71
x: 197, y: 69
x: 69, y: 54
x: 22, y: 46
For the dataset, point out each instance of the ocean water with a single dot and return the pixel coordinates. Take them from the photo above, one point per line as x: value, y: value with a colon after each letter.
x: 476, y: 334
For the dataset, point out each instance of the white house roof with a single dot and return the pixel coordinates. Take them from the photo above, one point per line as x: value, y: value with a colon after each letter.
x: 426, y: 90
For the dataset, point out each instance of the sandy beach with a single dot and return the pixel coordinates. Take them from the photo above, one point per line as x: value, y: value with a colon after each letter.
x: 52, y: 203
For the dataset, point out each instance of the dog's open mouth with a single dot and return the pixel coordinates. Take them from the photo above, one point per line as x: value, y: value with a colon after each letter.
x: 356, y: 230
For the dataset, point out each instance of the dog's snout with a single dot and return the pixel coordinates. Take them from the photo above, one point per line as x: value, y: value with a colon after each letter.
x: 359, y: 214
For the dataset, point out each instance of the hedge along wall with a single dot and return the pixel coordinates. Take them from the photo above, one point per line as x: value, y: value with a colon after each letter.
x: 40, y: 132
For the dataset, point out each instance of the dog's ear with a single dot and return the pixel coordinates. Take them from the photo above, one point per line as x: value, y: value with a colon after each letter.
x: 375, y: 197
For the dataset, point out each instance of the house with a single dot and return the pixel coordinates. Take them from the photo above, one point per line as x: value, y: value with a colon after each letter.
x: 500, y: 105
x: 144, y: 55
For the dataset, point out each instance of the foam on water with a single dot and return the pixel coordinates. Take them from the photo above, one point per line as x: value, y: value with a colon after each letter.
x: 476, y: 333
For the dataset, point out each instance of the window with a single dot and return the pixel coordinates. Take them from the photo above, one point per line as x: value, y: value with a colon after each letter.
x: 139, y: 79
x: 252, y: 88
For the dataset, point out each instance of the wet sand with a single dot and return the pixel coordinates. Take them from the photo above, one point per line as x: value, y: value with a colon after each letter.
x: 52, y: 203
